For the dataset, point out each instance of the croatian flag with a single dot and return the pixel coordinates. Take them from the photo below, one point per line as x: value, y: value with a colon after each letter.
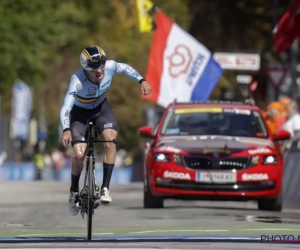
x: 179, y: 67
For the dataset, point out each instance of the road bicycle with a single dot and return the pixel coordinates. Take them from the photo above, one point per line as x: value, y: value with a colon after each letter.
x: 89, y: 196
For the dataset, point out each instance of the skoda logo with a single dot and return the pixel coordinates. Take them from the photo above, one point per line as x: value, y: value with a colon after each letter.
x: 216, y: 155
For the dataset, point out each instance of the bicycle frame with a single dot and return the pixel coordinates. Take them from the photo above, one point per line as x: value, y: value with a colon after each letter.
x: 86, y: 196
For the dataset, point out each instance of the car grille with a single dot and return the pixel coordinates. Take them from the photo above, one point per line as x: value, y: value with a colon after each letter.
x: 202, y: 162
x: 229, y: 187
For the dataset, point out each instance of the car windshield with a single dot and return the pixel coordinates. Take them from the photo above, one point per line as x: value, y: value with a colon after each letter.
x: 214, y: 121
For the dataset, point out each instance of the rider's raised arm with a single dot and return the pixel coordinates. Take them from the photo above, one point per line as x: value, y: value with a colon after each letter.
x: 123, y: 68
x: 74, y: 86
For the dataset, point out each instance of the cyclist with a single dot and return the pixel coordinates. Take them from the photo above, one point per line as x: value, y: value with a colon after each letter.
x: 85, y: 97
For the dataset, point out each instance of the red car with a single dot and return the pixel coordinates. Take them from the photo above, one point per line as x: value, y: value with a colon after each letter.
x: 213, y: 151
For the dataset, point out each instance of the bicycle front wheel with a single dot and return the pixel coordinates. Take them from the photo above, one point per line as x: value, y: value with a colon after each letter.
x: 91, y: 197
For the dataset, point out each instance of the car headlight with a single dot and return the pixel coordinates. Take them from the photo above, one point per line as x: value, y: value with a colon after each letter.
x: 178, y: 159
x: 270, y: 159
x: 160, y: 157
x: 254, y: 160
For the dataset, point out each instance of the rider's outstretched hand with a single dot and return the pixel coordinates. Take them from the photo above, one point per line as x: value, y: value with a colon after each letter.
x: 146, y: 88
x: 66, y: 138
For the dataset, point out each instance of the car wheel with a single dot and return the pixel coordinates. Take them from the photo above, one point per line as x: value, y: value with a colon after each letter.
x: 271, y: 204
x: 150, y: 201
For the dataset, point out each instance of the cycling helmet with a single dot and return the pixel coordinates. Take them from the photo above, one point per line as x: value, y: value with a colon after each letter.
x: 92, y: 58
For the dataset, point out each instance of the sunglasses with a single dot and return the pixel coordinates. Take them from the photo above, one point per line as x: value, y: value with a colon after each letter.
x: 96, y: 65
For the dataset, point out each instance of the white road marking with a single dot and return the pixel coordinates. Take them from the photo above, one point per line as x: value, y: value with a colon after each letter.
x: 179, y: 230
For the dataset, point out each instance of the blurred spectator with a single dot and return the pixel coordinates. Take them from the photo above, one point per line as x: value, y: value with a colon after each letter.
x: 58, y: 162
x: 250, y: 101
x: 68, y: 157
x: 128, y: 160
x: 3, y: 156
x: 284, y: 102
x: 276, y: 116
x: 293, y: 122
x: 138, y: 156
x: 47, y: 160
x: 39, y: 164
x: 120, y: 158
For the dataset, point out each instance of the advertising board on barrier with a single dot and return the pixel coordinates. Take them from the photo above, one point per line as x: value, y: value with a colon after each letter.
x: 119, y: 176
x: 11, y: 171
x: 17, y: 171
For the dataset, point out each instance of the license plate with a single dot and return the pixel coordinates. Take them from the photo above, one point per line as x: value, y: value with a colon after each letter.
x: 211, y: 177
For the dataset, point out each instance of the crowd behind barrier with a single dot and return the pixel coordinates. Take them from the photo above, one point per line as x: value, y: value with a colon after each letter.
x: 11, y: 171
x: 56, y: 166
x: 283, y: 114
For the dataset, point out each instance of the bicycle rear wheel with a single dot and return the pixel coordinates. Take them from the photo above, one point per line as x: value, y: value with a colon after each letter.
x: 91, y: 197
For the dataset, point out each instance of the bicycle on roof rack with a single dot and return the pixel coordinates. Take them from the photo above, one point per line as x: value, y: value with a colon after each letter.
x: 88, y: 200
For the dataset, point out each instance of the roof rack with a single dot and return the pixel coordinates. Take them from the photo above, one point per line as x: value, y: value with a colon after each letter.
x: 213, y: 102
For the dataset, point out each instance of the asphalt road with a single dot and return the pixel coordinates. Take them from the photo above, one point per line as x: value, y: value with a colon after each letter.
x: 40, y: 210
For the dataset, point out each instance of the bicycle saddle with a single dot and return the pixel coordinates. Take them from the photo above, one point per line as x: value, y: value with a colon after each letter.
x: 94, y: 117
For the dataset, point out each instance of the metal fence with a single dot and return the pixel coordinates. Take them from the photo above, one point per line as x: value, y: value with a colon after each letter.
x: 291, y: 177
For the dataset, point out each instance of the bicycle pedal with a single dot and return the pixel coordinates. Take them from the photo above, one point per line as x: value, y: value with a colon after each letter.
x: 96, y: 204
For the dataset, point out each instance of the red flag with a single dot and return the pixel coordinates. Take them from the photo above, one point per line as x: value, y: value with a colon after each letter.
x: 288, y: 28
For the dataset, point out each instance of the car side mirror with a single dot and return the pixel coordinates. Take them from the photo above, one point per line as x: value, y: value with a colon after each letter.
x: 282, y: 135
x: 146, y: 132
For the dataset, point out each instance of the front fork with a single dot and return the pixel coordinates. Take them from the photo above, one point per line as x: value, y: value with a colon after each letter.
x: 84, y: 191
